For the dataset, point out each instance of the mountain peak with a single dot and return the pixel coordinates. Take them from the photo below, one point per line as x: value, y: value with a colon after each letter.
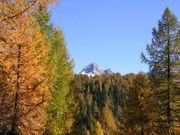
x: 93, y: 69
x: 108, y: 71
x: 92, y: 65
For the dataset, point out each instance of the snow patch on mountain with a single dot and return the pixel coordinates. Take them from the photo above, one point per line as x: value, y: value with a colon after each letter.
x: 93, y: 69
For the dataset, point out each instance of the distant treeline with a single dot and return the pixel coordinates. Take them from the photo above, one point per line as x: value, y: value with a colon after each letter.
x: 118, y: 105
x: 136, y: 104
x: 101, y: 100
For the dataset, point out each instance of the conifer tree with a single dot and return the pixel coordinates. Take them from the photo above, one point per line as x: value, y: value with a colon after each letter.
x: 62, y: 107
x: 138, y: 107
x: 108, y: 121
x: 26, y: 90
x: 98, y: 129
x: 3, y: 97
x: 62, y: 102
x: 164, y: 65
x: 87, y: 132
x: 16, y: 8
x: 23, y: 55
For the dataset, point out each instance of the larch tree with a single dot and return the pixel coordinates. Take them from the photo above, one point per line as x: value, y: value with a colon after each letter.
x: 98, y: 129
x: 108, y: 121
x: 62, y: 107
x: 3, y: 84
x: 164, y: 65
x: 138, y: 107
x: 15, y: 8
x: 23, y: 53
x: 87, y: 132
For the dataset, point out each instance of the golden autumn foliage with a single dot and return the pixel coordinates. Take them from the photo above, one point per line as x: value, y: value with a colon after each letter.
x: 11, y: 9
x: 164, y: 63
x: 98, y: 130
x: 87, y: 132
x: 108, y: 121
x: 138, y: 111
x: 22, y: 54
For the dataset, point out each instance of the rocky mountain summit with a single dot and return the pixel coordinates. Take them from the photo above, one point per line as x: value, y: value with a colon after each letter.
x: 93, y: 69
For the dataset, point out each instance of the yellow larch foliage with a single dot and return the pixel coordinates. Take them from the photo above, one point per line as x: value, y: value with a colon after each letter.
x: 108, y: 121
x: 98, y: 130
x: 22, y: 55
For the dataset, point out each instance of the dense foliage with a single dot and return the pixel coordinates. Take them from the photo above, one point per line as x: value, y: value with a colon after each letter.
x: 39, y: 93
x: 36, y: 76
x: 60, y: 68
x: 164, y: 63
x: 137, y: 104
x: 101, y: 99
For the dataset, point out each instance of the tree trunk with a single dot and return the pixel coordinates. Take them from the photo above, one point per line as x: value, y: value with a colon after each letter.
x: 13, y: 128
x: 142, y: 128
x: 168, y: 89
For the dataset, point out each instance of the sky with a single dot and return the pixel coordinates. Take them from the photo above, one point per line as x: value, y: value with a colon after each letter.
x: 110, y: 33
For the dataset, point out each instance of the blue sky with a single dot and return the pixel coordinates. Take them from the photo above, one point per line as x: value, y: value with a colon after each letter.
x: 111, y: 33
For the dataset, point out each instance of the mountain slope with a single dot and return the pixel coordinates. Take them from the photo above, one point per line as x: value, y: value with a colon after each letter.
x: 93, y: 69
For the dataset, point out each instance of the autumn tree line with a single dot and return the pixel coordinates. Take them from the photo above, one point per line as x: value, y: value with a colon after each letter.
x: 40, y: 95
x: 120, y: 105
x: 36, y: 73
x: 136, y: 104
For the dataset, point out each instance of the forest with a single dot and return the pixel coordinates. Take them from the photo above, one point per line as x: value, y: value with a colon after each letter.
x: 41, y: 95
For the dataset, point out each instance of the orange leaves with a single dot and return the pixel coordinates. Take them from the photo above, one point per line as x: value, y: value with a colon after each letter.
x: 23, y: 55
x: 12, y: 9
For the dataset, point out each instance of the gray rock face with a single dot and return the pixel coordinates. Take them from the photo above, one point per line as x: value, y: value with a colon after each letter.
x: 93, y: 69
x: 108, y: 71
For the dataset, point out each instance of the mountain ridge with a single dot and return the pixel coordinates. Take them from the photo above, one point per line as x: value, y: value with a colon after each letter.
x: 93, y: 69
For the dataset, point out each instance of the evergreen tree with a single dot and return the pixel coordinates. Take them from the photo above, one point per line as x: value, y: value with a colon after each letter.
x: 164, y: 64
x: 100, y: 100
